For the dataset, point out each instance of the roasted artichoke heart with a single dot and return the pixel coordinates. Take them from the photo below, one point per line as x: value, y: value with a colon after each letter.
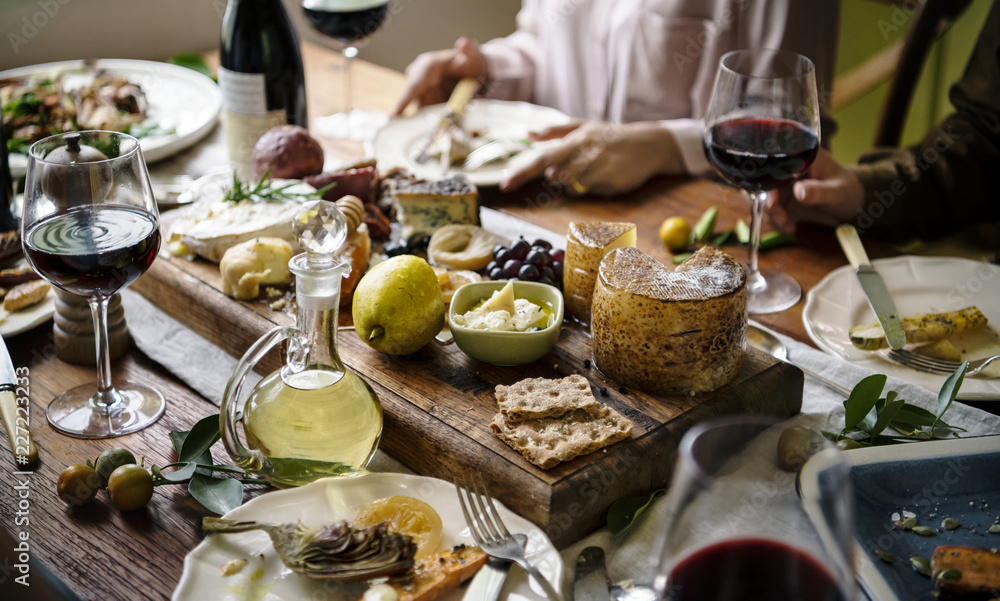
x: 331, y: 552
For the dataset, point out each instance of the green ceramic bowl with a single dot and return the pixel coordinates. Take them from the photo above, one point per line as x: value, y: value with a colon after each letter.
x: 506, y: 348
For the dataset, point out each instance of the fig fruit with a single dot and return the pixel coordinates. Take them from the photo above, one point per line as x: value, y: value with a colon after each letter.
x: 287, y: 152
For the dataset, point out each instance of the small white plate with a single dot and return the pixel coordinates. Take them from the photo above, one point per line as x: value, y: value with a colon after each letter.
x: 399, y: 142
x: 265, y: 577
x: 918, y: 285
x: 179, y: 98
x: 24, y: 320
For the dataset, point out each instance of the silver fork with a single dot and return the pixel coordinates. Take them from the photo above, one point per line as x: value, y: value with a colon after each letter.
x: 489, y: 531
x: 493, y: 151
x: 937, y: 366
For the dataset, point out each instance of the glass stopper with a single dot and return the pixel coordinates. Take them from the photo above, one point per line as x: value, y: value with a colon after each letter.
x: 320, y: 228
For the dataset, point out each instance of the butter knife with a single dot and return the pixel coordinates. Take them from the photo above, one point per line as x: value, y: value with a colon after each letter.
x: 873, y: 286
x: 488, y: 582
x: 21, y: 444
x: 590, y: 578
x: 453, y: 115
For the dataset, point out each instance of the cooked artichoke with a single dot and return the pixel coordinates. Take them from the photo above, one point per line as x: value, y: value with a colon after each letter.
x: 331, y: 552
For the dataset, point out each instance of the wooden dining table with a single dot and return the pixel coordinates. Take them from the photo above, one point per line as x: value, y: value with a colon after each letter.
x: 96, y: 552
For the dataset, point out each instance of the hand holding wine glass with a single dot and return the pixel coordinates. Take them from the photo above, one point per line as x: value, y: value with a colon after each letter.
x: 761, y: 133
x: 90, y: 227
x: 348, y: 22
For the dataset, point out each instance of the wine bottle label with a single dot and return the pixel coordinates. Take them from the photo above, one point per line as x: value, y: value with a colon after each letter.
x: 245, y: 116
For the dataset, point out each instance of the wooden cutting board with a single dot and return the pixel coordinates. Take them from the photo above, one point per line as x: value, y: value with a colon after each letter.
x: 438, y: 404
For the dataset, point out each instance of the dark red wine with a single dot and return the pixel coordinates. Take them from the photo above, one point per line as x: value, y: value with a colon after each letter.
x: 751, y: 570
x: 760, y: 154
x: 347, y: 21
x: 93, y: 250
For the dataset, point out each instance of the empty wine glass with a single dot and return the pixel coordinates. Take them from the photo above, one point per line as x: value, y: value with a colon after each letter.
x: 736, y: 529
x: 90, y: 227
x: 761, y: 133
x: 348, y: 22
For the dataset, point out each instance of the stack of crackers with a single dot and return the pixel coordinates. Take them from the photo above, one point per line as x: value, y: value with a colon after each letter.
x: 550, y: 421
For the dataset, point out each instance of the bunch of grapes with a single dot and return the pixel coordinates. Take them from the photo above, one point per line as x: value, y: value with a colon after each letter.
x: 531, y: 262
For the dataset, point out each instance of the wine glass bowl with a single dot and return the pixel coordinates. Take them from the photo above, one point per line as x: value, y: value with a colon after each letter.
x: 90, y: 227
x: 348, y: 22
x: 737, y: 530
x: 762, y: 133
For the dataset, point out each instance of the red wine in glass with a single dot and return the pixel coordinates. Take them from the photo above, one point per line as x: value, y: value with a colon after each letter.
x: 751, y: 570
x: 93, y: 250
x: 759, y: 153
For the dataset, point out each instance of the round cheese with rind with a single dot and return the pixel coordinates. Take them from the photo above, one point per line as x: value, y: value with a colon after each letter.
x: 663, y: 331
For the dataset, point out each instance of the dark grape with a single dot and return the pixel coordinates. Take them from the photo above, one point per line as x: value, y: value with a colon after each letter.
x: 558, y: 255
x: 491, y: 266
x: 497, y: 249
x: 557, y: 269
x: 548, y: 273
x: 496, y: 273
x: 502, y: 257
x: 538, y: 258
x: 528, y: 272
x: 548, y: 281
x: 512, y: 267
x: 543, y: 244
x: 395, y: 249
x: 519, y: 250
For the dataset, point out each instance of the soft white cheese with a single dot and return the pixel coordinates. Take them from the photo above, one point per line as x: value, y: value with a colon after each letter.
x: 526, y: 314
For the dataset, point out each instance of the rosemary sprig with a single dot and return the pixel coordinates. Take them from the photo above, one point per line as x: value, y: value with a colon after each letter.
x: 263, y: 191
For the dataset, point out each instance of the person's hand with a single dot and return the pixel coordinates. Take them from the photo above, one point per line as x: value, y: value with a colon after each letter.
x: 594, y: 157
x: 831, y: 194
x: 432, y: 76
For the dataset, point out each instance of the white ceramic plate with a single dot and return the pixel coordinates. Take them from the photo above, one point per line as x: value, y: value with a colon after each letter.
x: 24, y: 320
x: 331, y: 499
x: 179, y: 98
x: 917, y: 285
x: 398, y: 143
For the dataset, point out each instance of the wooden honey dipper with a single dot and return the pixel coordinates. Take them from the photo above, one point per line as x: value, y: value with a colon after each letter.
x: 353, y: 209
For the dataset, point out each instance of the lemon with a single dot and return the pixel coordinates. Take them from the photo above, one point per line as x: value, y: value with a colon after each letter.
x: 130, y: 487
x: 675, y: 233
x: 405, y: 515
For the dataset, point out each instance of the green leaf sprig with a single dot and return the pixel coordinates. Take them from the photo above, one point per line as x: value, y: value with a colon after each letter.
x: 263, y: 191
x: 868, y: 415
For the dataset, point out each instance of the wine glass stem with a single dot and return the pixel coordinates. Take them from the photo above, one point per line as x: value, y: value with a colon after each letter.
x: 757, y: 199
x: 106, y: 395
x: 349, y: 53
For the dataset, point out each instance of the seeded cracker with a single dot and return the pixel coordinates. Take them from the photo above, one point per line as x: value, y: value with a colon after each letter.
x: 537, y: 398
x: 546, y: 442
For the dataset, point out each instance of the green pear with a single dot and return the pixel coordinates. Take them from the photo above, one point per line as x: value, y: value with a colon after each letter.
x: 397, y: 305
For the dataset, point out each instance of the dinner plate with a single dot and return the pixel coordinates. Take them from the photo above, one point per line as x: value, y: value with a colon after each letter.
x: 918, y: 285
x: 179, y: 99
x: 399, y: 142
x: 265, y: 577
x: 12, y: 324
x: 929, y: 481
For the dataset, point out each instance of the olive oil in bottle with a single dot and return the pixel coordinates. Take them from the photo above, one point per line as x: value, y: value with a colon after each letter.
x: 313, y: 418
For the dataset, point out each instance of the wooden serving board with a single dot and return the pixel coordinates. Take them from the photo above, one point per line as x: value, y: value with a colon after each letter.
x: 438, y: 402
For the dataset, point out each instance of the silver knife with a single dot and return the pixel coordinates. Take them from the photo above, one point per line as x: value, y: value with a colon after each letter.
x: 873, y: 285
x: 454, y: 112
x: 21, y: 445
x: 590, y: 579
x: 486, y: 584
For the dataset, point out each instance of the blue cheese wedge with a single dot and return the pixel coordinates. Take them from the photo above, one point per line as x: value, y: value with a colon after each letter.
x: 424, y: 206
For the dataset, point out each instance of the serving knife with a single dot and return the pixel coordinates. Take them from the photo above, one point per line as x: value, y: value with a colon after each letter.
x: 873, y: 286
x: 464, y: 90
x: 590, y: 578
x: 21, y: 444
x: 488, y: 581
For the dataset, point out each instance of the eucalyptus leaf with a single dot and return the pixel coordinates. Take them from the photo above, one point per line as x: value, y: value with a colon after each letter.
x: 886, y: 415
x: 200, y: 439
x: 742, y: 231
x: 218, y: 495
x: 180, y: 475
x: 177, y: 438
x: 721, y: 238
x: 949, y: 390
x: 863, y: 398
x: 625, y: 511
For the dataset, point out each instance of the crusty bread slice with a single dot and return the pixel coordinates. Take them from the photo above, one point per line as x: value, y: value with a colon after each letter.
x: 537, y: 398
x: 25, y: 295
x: 548, y: 441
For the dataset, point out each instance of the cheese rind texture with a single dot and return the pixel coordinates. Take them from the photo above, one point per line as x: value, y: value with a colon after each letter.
x: 662, y: 331
x: 424, y: 206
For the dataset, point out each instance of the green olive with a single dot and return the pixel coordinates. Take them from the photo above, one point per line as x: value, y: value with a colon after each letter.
x: 796, y: 445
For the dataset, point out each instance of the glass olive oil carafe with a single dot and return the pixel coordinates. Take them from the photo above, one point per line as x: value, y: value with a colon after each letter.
x: 312, y: 418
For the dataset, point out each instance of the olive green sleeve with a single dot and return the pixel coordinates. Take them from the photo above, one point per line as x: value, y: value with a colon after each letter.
x: 951, y: 178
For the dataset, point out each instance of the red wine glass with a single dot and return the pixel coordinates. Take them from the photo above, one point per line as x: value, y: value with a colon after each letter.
x: 762, y: 133
x: 348, y: 22
x: 737, y: 531
x: 90, y: 227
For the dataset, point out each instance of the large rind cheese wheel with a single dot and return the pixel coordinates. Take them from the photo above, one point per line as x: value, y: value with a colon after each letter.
x: 586, y: 245
x: 663, y: 331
